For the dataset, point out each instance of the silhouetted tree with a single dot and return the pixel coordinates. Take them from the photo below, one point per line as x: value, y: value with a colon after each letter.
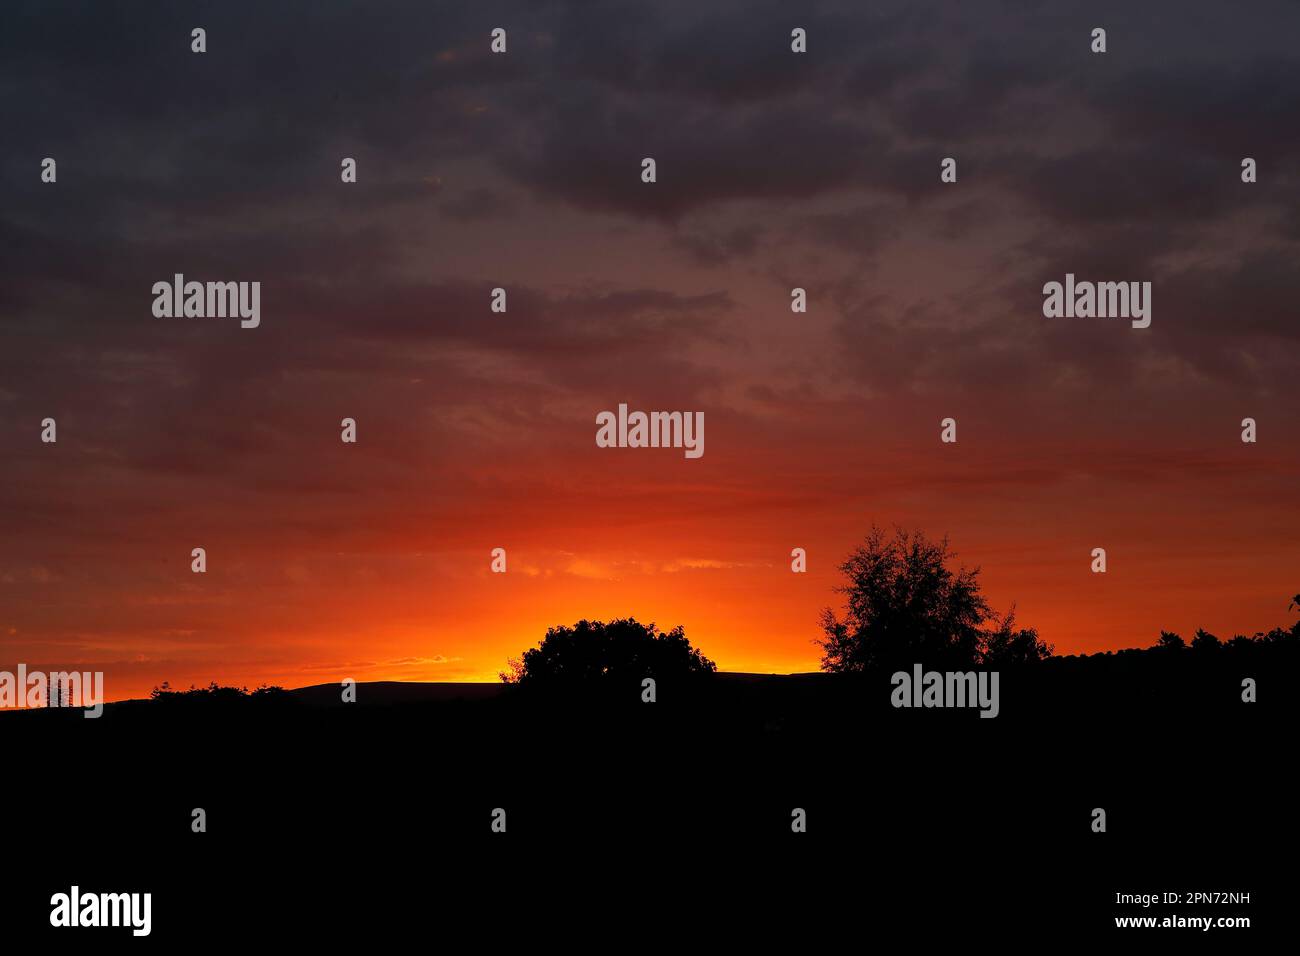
x: 905, y: 605
x: 1007, y: 646
x: 619, y: 652
x: 1170, y: 641
x: 1203, y: 641
x: 216, y: 695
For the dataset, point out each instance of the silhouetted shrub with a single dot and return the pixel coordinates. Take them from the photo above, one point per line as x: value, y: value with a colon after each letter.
x: 622, y: 652
x: 1007, y: 647
x: 214, y: 695
x: 1170, y: 642
x: 1203, y: 641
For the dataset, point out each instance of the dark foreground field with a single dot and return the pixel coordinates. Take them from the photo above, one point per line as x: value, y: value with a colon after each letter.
x: 669, y: 824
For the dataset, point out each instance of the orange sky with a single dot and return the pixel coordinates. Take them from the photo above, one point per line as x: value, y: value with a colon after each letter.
x: 405, y: 592
x: 476, y: 429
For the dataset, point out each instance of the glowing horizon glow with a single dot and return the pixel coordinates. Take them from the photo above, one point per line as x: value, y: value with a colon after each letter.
x: 477, y: 429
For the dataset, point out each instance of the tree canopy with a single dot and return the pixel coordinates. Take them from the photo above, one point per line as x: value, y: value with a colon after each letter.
x: 594, y: 652
x: 906, y: 605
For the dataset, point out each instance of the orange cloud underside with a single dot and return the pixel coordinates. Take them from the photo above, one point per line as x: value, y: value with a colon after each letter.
x: 400, y: 589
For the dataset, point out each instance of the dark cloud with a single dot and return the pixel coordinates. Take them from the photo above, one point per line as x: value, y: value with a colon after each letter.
x: 809, y: 170
x: 477, y: 205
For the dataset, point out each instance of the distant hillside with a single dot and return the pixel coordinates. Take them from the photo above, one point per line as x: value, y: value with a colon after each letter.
x: 400, y: 692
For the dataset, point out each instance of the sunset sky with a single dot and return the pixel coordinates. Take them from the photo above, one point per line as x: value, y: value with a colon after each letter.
x: 476, y: 430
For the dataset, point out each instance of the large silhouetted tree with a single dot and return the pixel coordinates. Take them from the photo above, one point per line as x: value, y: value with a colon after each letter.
x: 593, y: 653
x: 906, y: 605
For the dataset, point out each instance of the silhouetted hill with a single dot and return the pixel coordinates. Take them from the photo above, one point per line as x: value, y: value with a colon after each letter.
x: 1194, y: 780
x: 401, y: 692
x: 1114, y: 685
